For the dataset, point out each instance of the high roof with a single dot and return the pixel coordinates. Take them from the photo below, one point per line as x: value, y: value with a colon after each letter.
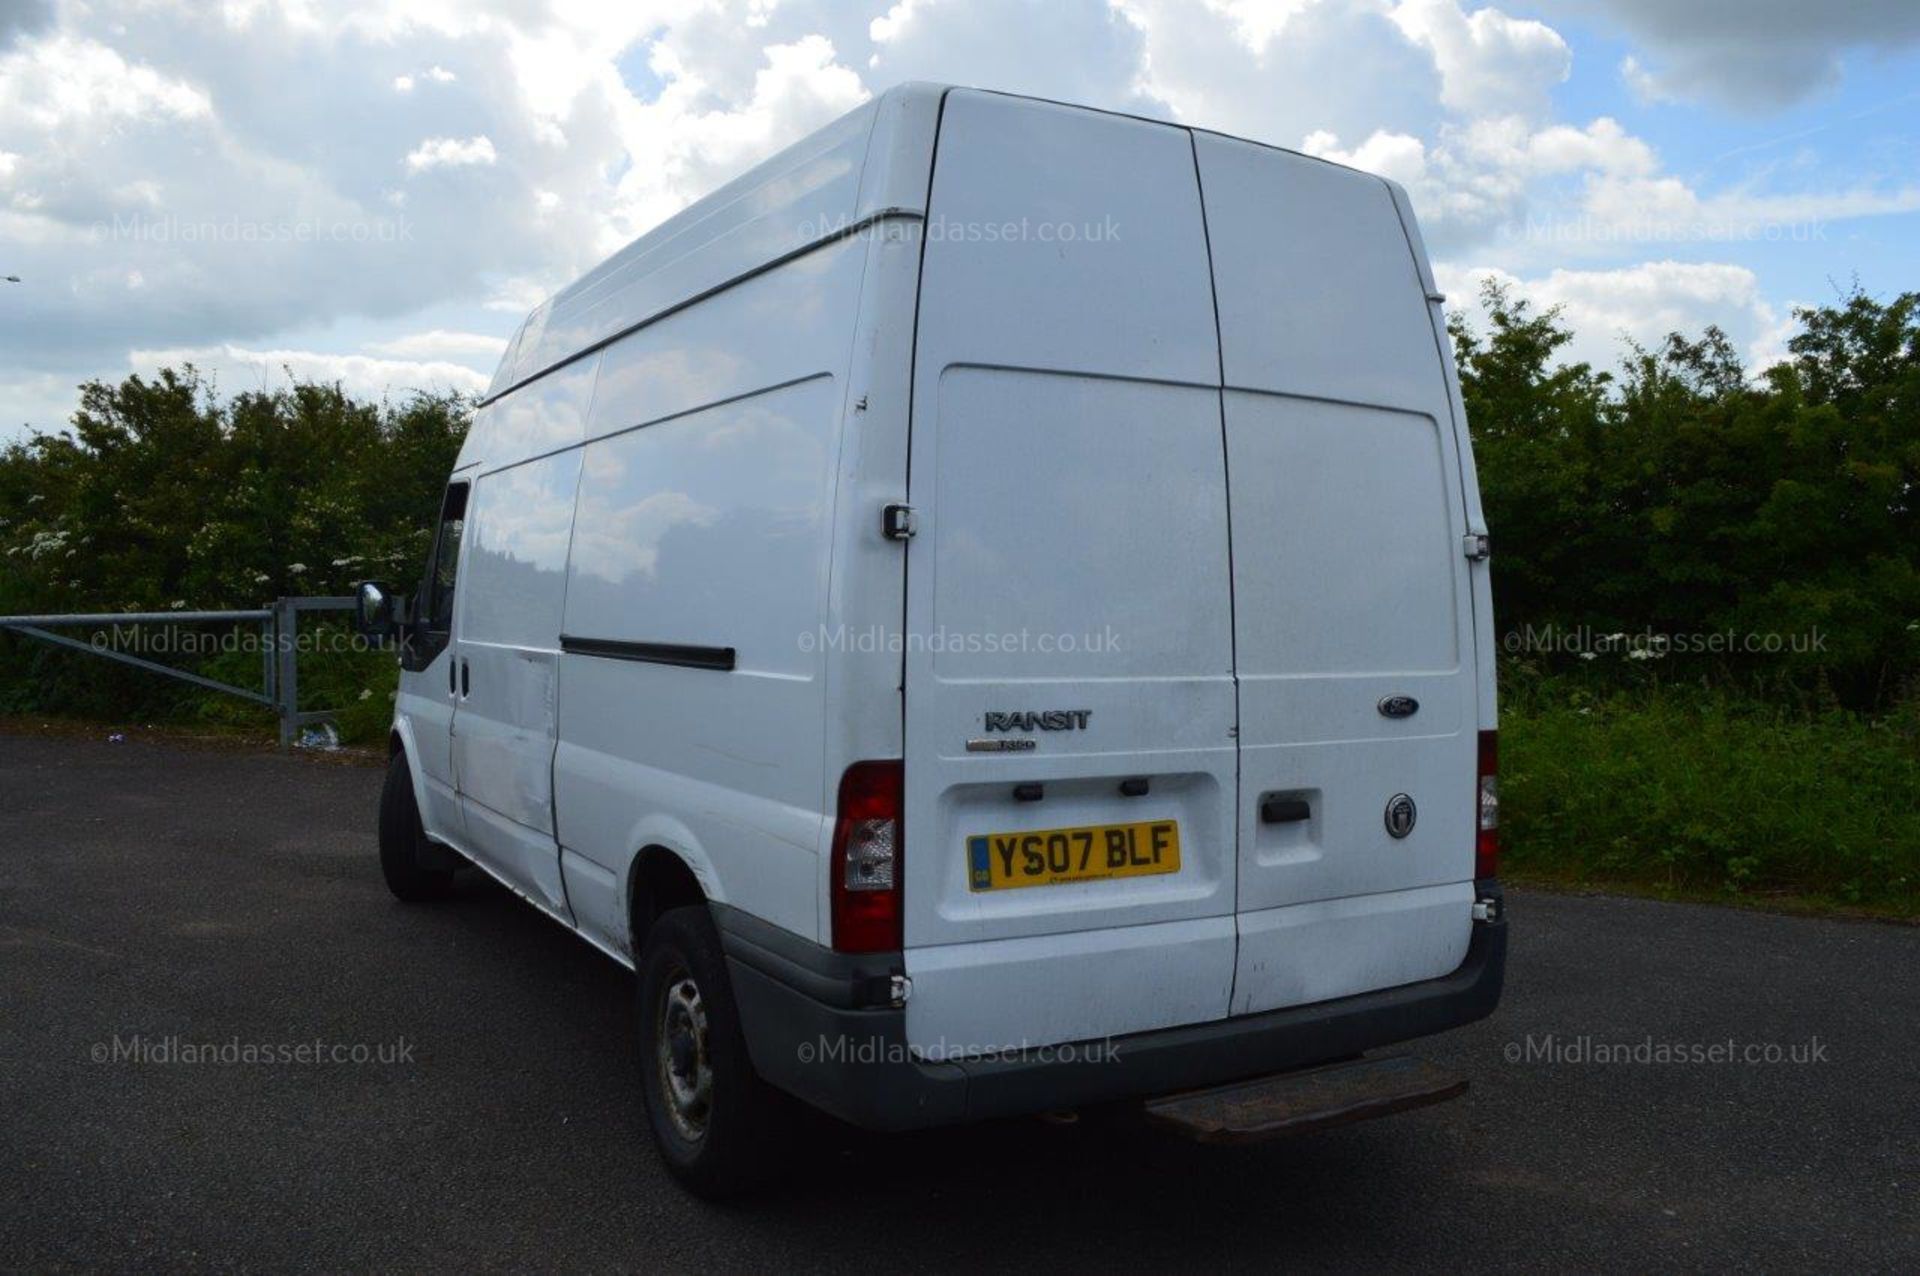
x: 872, y: 162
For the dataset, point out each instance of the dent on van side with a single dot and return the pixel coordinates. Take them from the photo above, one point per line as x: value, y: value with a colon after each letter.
x: 985, y: 613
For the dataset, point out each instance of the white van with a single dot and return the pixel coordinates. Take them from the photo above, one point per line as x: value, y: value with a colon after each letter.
x: 986, y: 613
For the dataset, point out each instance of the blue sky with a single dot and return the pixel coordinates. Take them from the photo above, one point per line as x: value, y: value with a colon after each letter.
x: 1859, y: 129
x: 376, y: 191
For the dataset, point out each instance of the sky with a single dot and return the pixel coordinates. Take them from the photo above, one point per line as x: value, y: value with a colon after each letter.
x: 377, y: 192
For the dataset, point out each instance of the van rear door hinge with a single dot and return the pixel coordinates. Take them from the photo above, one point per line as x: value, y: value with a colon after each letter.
x: 1477, y: 546
x: 897, y: 522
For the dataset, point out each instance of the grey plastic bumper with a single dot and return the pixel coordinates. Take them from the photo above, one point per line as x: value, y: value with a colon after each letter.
x: 818, y: 1026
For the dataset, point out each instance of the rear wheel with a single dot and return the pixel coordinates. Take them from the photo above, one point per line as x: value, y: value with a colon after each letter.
x: 416, y: 870
x: 719, y: 1127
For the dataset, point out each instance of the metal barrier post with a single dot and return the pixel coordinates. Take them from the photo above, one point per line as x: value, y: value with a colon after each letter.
x: 286, y: 640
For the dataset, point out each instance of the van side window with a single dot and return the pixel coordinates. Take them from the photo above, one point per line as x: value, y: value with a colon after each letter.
x: 445, y: 564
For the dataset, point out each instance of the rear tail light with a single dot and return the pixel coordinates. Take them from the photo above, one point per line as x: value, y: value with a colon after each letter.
x: 866, y: 868
x: 1486, y: 846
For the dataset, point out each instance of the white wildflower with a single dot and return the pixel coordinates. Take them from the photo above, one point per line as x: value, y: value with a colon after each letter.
x: 45, y: 543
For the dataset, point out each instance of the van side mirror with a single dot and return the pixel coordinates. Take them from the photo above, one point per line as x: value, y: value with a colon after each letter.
x: 376, y: 612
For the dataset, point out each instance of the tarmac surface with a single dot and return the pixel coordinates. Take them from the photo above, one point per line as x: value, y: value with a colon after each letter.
x: 158, y: 900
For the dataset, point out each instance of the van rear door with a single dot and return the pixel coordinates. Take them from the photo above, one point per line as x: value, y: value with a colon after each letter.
x: 1353, y: 618
x: 1070, y: 778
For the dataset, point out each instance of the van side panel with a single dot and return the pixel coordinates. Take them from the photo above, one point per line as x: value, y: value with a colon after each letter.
x: 1068, y: 475
x: 777, y: 208
x: 704, y: 521
x: 870, y: 162
x: 867, y: 589
x: 541, y: 417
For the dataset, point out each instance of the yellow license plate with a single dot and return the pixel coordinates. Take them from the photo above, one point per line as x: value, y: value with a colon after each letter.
x: 1046, y: 857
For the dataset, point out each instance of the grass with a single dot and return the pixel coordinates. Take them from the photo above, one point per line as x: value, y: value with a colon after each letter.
x: 1694, y: 795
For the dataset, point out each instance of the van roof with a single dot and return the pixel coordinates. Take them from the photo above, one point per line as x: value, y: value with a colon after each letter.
x: 871, y: 163
x: 874, y: 162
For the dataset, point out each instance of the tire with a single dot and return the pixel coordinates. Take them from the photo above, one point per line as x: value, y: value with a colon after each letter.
x: 416, y: 870
x: 722, y: 1131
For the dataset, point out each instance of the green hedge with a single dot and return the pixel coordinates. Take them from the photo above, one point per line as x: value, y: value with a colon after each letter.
x: 1695, y: 792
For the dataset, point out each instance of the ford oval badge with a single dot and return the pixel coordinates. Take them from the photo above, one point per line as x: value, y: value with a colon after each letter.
x: 1399, y: 706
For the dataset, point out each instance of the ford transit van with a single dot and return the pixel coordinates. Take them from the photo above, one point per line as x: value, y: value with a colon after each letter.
x: 986, y: 613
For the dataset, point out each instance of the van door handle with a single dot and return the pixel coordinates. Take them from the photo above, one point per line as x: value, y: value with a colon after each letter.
x: 466, y: 679
x: 1284, y: 810
x: 453, y: 675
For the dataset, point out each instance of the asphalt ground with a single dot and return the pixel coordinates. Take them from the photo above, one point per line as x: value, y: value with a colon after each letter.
x: 157, y: 899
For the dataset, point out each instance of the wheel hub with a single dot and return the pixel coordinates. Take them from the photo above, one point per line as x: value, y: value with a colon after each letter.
x: 686, y: 1070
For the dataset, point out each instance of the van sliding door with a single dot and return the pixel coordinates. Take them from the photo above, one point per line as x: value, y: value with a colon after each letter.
x: 506, y: 653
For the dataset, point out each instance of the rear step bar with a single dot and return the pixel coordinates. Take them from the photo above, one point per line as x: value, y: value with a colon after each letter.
x: 1312, y: 1099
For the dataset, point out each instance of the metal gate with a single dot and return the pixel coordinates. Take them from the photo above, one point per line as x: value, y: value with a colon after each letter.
x: 279, y: 623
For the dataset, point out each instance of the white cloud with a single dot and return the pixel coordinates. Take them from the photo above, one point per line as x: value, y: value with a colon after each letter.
x: 1483, y: 179
x: 1069, y: 50
x: 1643, y: 303
x: 450, y: 152
x: 36, y: 402
x: 438, y: 343
x: 235, y: 367
x: 1602, y: 146
x: 517, y: 296
x: 684, y: 143
x: 1490, y: 63
x: 1666, y: 209
x: 1397, y: 155
x: 1646, y: 87
x: 67, y: 81
x: 1347, y: 69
